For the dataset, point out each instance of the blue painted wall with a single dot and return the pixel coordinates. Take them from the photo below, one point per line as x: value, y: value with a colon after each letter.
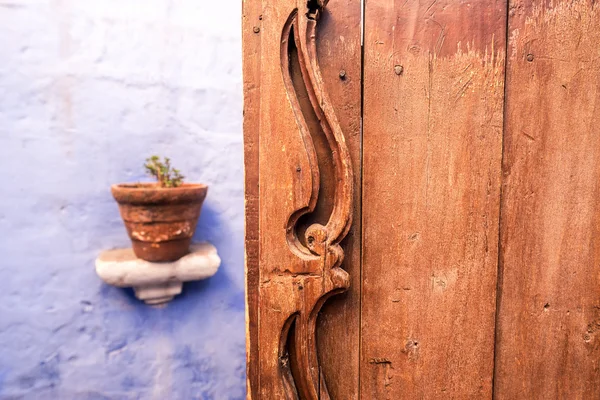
x: 88, y: 90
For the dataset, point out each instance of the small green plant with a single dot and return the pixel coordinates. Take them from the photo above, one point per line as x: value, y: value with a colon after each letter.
x: 165, y: 175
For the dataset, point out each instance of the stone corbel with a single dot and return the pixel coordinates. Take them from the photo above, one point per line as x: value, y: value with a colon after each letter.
x: 157, y: 283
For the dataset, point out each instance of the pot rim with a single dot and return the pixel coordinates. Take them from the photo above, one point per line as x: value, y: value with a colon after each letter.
x: 151, y: 193
x: 144, y: 186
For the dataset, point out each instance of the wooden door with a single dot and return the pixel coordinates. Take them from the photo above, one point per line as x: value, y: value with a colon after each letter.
x: 421, y: 217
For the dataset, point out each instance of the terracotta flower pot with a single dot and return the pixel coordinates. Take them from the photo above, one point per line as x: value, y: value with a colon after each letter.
x: 160, y: 221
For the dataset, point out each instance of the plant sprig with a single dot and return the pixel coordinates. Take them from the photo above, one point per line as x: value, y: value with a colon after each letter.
x: 166, y: 176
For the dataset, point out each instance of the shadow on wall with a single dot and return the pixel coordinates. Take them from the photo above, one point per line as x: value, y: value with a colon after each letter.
x: 212, y: 228
x: 191, y: 360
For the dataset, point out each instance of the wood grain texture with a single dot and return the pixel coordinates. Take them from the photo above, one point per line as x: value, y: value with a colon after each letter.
x: 251, y: 21
x: 433, y: 111
x: 302, y: 165
x: 339, y: 50
x: 549, y: 310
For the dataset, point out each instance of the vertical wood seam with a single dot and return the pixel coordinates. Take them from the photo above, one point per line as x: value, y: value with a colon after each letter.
x: 360, y: 206
x: 500, y: 264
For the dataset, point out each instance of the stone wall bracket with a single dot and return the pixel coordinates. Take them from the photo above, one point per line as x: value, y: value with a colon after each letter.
x: 157, y: 283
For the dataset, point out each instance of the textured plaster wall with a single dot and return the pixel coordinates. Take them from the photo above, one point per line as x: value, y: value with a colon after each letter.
x: 88, y: 89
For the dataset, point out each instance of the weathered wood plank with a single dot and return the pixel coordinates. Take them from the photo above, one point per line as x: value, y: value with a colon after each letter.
x: 339, y: 51
x: 306, y: 132
x: 548, y: 344
x: 251, y: 21
x: 433, y: 111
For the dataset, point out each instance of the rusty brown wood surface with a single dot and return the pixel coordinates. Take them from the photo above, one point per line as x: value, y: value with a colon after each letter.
x: 548, y: 344
x: 251, y: 22
x: 419, y: 318
x: 432, y: 143
x: 302, y: 122
x: 339, y: 51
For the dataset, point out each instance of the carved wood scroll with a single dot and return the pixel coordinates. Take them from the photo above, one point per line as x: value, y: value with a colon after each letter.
x: 319, y: 173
